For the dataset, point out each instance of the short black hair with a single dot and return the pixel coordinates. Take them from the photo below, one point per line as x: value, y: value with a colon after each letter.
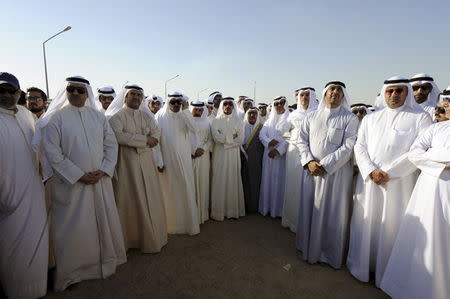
x: 43, y: 95
x: 22, y: 99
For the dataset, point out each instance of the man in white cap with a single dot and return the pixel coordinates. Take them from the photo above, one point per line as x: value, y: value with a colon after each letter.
x: 263, y: 115
x: 272, y: 136
x: 137, y: 188
x: 227, y: 194
x: 23, y: 218
x: 419, y: 262
x: 326, y: 140
x: 201, y: 146
x: 177, y: 125
x: 306, y: 103
x: 426, y: 92
x: 387, y: 177
x: 251, y: 160
x: 105, y: 97
x: 82, y: 150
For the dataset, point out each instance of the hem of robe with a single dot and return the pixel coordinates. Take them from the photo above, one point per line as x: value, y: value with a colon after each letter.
x: 36, y: 289
x: 88, y: 273
x: 222, y: 216
x: 137, y: 244
x: 184, y: 231
x: 270, y: 213
x: 357, y: 272
x: 287, y: 224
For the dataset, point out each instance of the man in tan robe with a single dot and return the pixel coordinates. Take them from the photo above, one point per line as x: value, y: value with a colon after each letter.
x: 137, y: 189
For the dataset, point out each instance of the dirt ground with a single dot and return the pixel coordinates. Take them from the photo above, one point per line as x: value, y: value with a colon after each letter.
x: 253, y: 257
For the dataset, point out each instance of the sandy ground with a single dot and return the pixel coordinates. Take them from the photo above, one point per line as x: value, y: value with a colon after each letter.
x: 253, y: 257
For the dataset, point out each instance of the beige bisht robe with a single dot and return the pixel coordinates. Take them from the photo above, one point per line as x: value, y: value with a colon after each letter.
x: 88, y: 239
x: 137, y: 189
x: 227, y: 194
x: 178, y: 177
x: 23, y: 218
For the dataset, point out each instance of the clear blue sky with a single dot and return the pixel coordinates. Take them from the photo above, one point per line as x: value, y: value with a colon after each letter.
x: 227, y: 45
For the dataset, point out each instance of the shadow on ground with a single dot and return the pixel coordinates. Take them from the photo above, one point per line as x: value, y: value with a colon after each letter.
x: 245, y: 258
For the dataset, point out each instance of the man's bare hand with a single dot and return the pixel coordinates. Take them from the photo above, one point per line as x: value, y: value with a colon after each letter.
x: 315, y: 168
x: 273, y: 153
x: 447, y: 167
x: 235, y: 135
x: 161, y: 169
x: 273, y: 142
x: 152, y: 141
x: 88, y: 179
x: 379, y: 177
x: 199, y: 152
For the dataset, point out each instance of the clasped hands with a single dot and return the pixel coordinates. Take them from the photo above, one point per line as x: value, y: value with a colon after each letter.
x: 91, y: 178
x: 379, y: 177
x: 152, y: 141
x: 315, y: 168
x: 198, y: 153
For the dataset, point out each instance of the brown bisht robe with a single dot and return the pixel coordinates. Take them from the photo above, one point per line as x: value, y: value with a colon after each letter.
x: 251, y: 168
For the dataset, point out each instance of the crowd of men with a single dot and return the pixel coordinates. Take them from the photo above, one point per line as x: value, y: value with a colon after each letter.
x: 85, y: 178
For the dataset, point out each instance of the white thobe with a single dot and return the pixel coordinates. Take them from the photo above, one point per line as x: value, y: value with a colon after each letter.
x: 178, y: 176
x: 77, y: 141
x: 419, y: 265
x: 271, y: 196
x: 326, y: 136
x: 383, y: 142
x: 227, y: 193
x: 428, y: 109
x: 262, y: 119
x: 202, y: 167
x: 294, y: 175
x: 23, y: 218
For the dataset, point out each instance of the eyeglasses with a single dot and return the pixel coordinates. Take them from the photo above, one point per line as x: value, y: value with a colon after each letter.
x: 227, y: 104
x: 281, y: 103
x: 34, y: 99
x: 71, y: 89
x: 397, y: 90
x: 440, y: 110
x: 7, y: 90
x: 360, y: 111
x: 175, y: 102
x: 156, y: 103
x: 446, y: 99
x: 423, y: 87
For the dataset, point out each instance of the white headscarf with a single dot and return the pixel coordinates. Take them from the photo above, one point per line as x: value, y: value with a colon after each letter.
x: 445, y: 94
x: 119, y: 101
x: 148, y: 100
x: 202, y: 121
x: 234, y: 113
x: 300, y: 113
x: 213, y: 95
x: 105, y: 91
x: 345, y: 101
x: 276, y: 121
x: 433, y: 96
x: 257, y: 117
x: 61, y: 101
x: 361, y: 106
x: 397, y: 80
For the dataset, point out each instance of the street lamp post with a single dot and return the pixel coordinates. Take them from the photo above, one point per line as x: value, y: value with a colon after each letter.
x: 254, y: 92
x: 165, y: 85
x: 198, y: 93
x: 45, y: 58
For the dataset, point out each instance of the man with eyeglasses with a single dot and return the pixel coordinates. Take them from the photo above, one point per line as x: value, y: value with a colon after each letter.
x: 37, y: 101
x: 262, y: 107
x: 360, y: 110
x: 155, y: 104
x: 227, y: 193
x: 326, y: 140
x: 216, y: 98
x: 82, y: 150
x: 273, y: 136
x: 177, y: 125
x: 426, y: 92
x: 387, y: 177
x: 441, y: 112
x: 23, y: 218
